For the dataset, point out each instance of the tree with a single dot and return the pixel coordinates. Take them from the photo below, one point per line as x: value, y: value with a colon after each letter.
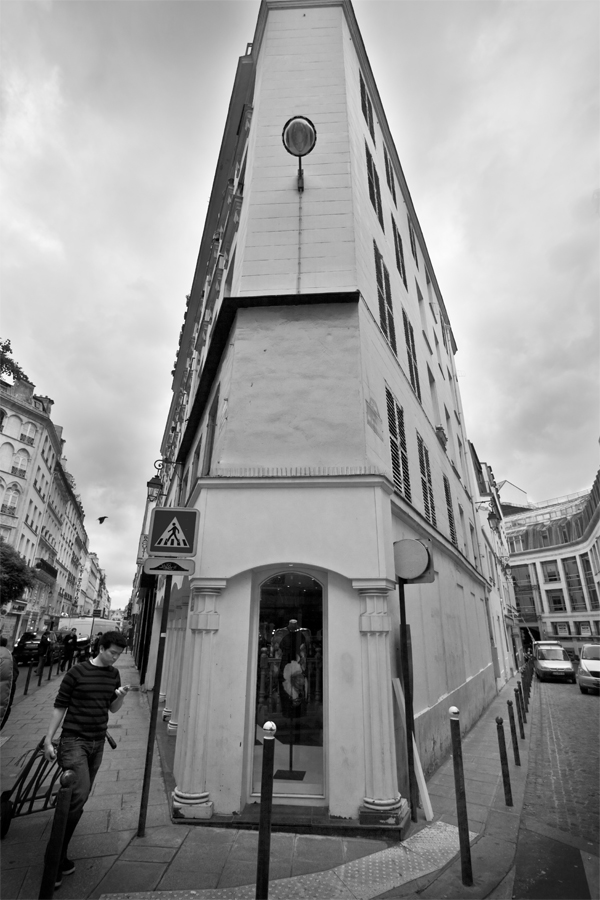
x: 9, y: 366
x: 15, y: 574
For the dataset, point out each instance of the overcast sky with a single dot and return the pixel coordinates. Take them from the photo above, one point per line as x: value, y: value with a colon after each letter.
x: 113, y: 114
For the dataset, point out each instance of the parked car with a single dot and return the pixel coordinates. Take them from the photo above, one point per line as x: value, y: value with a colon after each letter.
x: 26, y: 650
x: 588, y: 673
x: 553, y: 662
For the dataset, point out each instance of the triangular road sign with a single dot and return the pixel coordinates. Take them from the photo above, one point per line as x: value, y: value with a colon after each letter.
x: 173, y: 536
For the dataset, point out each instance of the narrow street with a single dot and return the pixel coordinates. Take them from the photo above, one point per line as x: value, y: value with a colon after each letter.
x: 559, y: 833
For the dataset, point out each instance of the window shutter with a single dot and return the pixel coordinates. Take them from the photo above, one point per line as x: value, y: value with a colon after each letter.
x: 390, y: 312
x: 409, y: 337
x: 450, y: 511
x: 426, y: 483
x: 400, y: 471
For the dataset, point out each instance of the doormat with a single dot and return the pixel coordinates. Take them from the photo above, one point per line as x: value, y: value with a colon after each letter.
x: 289, y: 775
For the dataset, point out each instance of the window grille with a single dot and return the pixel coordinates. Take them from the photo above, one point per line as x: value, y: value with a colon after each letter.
x: 411, y: 350
x: 426, y: 482
x: 367, y: 107
x: 399, y: 253
x: 400, y: 471
x: 450, y: 512
x: 374, y: 188
x: 384, y: 297
x: 389, y: 176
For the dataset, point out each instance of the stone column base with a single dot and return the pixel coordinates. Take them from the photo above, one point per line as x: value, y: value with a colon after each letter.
x: 172, y: 727
x: 166, y: 714
x: 393, y: 813
x: 191, y: 806
x: 162, y: 697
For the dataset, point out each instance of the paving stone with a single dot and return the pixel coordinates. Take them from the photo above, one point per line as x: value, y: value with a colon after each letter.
x: 165, y: 836
x: 135, y: 852
x: 127, y: 878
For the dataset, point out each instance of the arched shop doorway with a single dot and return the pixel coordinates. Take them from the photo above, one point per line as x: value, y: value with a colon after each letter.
x: 289, y: 683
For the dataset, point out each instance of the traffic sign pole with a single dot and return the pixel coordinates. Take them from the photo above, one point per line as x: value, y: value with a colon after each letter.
x: 154, y: 710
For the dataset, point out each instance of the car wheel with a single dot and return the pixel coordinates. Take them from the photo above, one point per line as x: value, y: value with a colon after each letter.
x: 583, y: 690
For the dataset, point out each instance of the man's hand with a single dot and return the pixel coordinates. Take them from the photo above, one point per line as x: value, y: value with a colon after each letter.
x: 49, y: 751
x: 120, y: 692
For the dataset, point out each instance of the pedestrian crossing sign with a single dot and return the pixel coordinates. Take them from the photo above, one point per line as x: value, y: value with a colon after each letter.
x: 173, y: 532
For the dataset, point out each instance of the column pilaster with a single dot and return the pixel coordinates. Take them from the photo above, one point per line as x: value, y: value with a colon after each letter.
x: 191, y: 799
x: 180, y: 630
x: 382, y: 801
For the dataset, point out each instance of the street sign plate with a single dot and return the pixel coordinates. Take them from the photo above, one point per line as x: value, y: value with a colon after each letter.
x: 157, y: 565
x: 173, y: 532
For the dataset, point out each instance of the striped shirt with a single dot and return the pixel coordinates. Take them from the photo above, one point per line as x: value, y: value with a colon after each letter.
x: 86, y: 692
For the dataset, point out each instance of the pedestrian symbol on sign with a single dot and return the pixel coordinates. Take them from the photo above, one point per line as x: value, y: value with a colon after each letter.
x: 172, y: 536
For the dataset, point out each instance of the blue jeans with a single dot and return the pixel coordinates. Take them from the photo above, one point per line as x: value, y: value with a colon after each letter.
x: 84, y: 758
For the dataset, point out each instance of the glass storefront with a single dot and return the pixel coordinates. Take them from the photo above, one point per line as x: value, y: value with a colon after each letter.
x: 289, y: 683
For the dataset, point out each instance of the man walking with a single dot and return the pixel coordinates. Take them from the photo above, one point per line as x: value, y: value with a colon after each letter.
x: 42, y: 651
x: 87, y: 693
x: 69, y: 648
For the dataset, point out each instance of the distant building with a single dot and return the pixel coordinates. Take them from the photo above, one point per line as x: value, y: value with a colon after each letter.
x: 316, y: 420
x: 503, y: 614
x: 555, y: 563
x: 41, y: 513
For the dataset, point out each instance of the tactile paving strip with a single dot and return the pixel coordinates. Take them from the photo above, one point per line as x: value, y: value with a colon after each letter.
x: 423, y: 853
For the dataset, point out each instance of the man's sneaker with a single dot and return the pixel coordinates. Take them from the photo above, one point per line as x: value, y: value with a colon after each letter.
x: 58, y: 881
x: 68, y: 866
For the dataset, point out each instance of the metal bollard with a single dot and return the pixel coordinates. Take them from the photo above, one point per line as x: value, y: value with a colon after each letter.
x: 28, y: 679
x: 513, y: 733
x: 461, y: 799
x: 53, y: 854
x: 266, y: 804
x: 519, y: 713
x: 523, y: 704
x: 504, y: 761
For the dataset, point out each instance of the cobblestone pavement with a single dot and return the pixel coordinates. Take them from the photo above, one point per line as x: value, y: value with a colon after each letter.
x: 563, y: 784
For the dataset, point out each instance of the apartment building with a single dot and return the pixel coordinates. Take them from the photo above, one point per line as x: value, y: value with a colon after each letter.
x: 41, y: 515
x: 555, y: 563
x: 316, y: 420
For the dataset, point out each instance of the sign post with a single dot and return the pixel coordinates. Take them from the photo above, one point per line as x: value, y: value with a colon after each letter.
x: 173, y: 536
x: 414, y: 564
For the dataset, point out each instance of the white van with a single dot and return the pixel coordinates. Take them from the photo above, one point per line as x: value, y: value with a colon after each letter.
x: 551, y: 661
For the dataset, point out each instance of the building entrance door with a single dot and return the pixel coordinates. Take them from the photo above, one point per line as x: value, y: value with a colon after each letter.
x: 289, y: 683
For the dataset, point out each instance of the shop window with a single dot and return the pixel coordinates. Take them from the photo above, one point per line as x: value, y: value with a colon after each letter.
x: 289, y: 683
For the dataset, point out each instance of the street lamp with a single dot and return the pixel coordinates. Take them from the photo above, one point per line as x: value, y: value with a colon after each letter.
x: 299, y: 137
x: 154, y: 487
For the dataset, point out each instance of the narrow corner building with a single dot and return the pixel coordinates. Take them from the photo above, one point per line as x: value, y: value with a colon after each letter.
x: 315, y: 421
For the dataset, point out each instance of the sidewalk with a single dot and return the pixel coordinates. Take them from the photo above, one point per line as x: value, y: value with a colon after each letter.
x: 175, y: 861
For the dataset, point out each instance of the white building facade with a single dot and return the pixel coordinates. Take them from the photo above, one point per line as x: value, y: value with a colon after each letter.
x: 316, y: 420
